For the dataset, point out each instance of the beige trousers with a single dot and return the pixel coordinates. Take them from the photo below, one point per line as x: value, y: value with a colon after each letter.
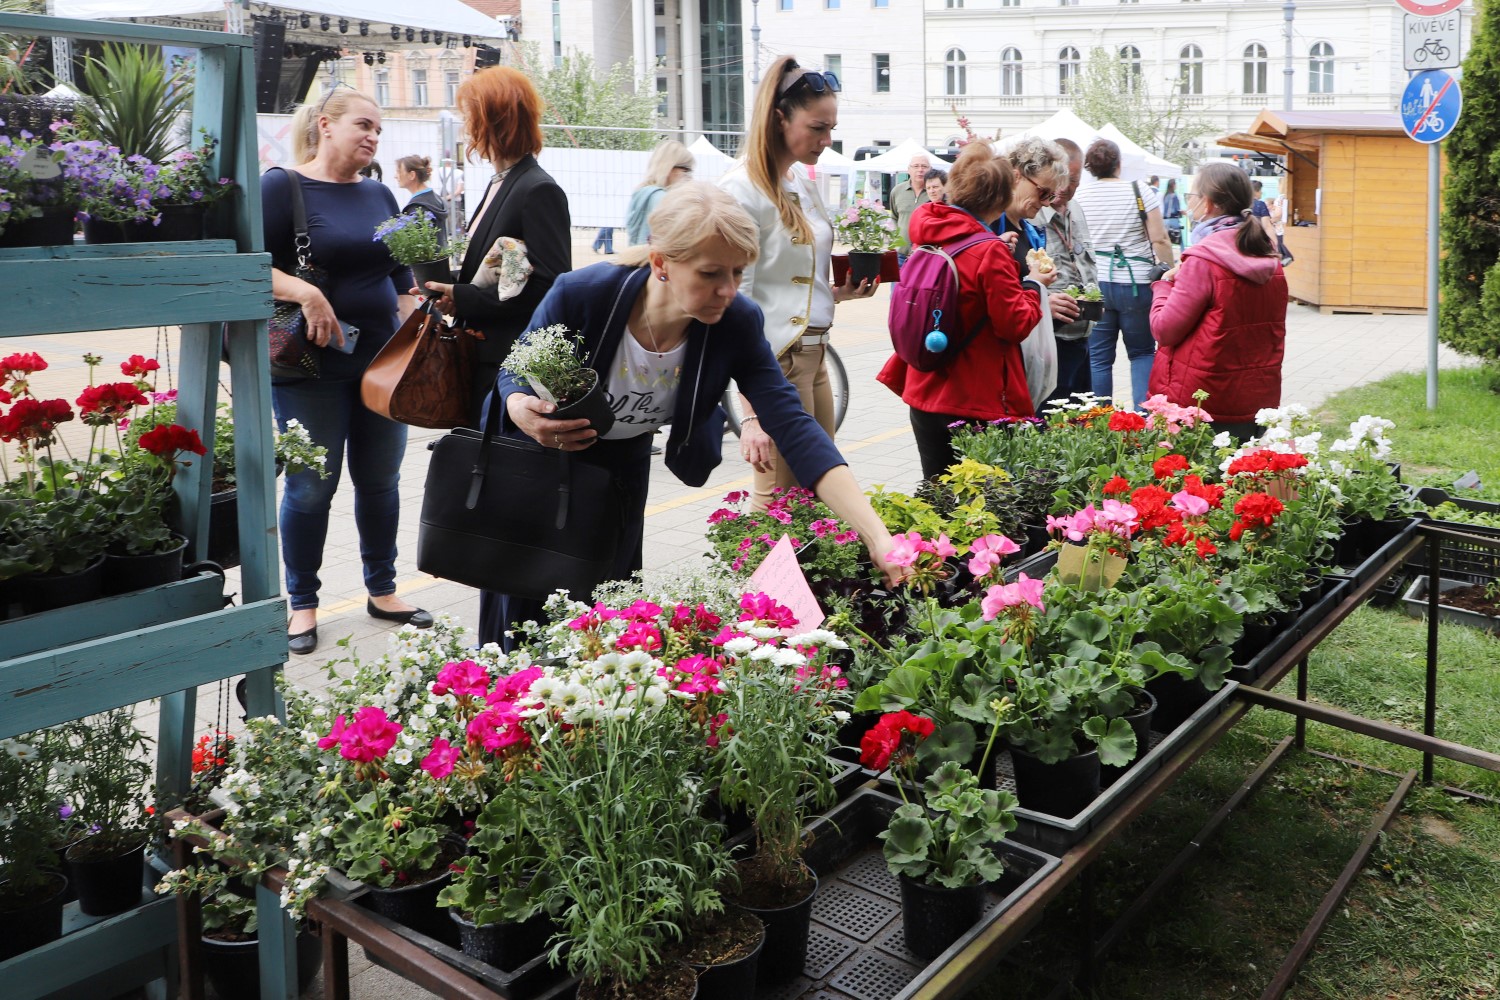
x: 809, y: 376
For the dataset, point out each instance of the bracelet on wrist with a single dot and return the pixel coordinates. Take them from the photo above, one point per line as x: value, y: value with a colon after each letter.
x: 746, y: 420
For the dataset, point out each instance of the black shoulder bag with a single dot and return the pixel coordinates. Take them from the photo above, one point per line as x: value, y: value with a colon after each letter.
x: 292, y: 354
x: 1157, y: 267
x: 508, y: 515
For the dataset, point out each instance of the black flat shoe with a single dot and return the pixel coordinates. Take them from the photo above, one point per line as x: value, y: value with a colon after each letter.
x: 302, y: 643
x: 416, y: 618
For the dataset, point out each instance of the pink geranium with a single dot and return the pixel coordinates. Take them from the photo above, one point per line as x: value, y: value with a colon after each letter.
x: 1177, y: 418
x: 763, y: 608
x: 335, y: 735
x: 1025, y: 592
x: 464, y: 678
x: 498, y: 728
x: 640, y: 635
x: 369, y: 737
x: 1189, y: 504
x: 439, y: 763
x: 988, y: 552
x: 642, y: 611
x: 513, y: 687
x: 905, y: 549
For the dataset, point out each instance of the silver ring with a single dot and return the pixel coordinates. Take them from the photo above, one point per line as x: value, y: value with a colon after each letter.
x: 556, y: 440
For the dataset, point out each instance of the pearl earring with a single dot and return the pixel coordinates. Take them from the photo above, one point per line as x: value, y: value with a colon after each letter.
x: 661, y: 277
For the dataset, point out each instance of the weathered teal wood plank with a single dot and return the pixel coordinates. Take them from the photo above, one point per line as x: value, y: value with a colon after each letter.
x: 45, y: 689
x: 113, y: 31
x: 174, y: 747
x: 245, y: 155
x: 49, y: 629
x: 278, y: 948
x: 197, y: 397
x: 77, y: 296
x: 80, y: 251
x: 90, y: 951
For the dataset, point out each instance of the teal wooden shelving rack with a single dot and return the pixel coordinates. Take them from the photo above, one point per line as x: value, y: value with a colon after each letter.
x: 164, y: 642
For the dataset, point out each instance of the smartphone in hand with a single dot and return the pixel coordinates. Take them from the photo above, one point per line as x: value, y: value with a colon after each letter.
x: 351, y: 338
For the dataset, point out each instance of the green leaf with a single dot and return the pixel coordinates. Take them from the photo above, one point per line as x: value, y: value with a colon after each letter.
x: 952, y: 742
x: 1115, y: 739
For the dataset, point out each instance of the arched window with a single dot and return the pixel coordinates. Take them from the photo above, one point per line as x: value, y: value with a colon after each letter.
x: 1010, y: 72
x: 1255, y: 68
x: 956, y: 74
x: 1190, y: 69
x: 1068, y: 63
x: 1130, y: 68
x: 1320, y: 69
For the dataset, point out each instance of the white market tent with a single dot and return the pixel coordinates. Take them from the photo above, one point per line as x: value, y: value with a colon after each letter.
x: 448, y: 16
x: 1142, y: 163
x: 711, y: 161
x: 1063, y: 125
x: 896, y: 160
x: 831, y: 161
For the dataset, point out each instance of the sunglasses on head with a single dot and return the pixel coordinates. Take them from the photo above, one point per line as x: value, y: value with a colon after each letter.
x: 817, y: 82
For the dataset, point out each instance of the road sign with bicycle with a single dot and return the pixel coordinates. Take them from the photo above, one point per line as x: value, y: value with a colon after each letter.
x: 1430, y: 106
x: 1430, y: 42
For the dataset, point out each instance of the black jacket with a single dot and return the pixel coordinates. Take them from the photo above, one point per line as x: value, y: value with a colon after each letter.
x: 429, y: 202
x: 529, y: 207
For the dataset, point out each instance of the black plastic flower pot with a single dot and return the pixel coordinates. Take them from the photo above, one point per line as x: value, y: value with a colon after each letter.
x: 1062, y: 789
x: 1176, y: 700
x: 734, y: 979
x: 53, y: 228
x: 1140, y: 724
x: 123, y: 574
x: 233, y: 967
x: 178, y: 224
x: 935, y: 916
x: 416, y: 906
x: 594, y: 405
x: 1256, y: 637
x: 784, y: 952
x: 864, y: 265
x: 504, y: 945
x: 1091, y: 309
x: 106, y: 884
x: 678, y: 982
x: 224, y: 528
x: 46, y: 591
x: 99, y: 231
x: 432, y: 270
x: 34, y: 920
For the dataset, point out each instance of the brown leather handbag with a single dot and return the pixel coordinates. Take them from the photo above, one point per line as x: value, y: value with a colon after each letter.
x: 423, y: 374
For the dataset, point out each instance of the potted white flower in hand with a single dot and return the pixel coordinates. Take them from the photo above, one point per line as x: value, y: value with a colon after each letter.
x: 551, y: 362
x: 869, y: 229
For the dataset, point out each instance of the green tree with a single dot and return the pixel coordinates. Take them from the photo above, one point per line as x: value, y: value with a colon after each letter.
x: 1110, y: 91
x: 1469, y: 271
x: 580, y: 99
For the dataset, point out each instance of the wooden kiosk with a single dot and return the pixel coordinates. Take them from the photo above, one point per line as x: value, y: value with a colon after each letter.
x: 1358, y: 185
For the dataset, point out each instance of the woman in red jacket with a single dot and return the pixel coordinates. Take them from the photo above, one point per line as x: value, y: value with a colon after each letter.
x: 1219, y: 317
x: 988, y: 380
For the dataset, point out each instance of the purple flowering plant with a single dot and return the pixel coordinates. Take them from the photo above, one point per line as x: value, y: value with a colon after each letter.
x: 23, y: 194
x: 117, y: 188
x: 828, y: 550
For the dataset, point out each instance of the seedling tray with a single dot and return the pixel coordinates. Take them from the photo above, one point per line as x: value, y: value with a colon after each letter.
x: 1055, y: 834
x: 1335, y: 589
x: 1401, y: 533
x: 857, y: 950
x: 1414, y: 603
x: 1471, y: 561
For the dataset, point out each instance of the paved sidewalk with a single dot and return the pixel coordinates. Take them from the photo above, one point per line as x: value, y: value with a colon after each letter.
x: 1324, y: 355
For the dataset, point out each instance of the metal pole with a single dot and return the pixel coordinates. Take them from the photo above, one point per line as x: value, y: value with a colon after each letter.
x: 1434, y: 197
x: 755, y: 41
x: 1289, y: 13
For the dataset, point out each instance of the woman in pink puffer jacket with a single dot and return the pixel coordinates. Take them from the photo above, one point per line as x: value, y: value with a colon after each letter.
x: 1219, y: 317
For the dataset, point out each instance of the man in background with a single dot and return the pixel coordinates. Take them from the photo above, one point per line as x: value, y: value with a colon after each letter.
x: 908, y: 195
x: 1072, y: 254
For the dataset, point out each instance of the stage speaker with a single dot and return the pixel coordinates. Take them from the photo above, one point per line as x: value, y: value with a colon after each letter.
x: 486, y: 55
x: 270, y: 44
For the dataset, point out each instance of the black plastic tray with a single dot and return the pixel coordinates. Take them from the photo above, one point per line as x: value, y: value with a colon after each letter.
x: 1055, y: 834
x: 1414, y: 603
x: 1472, y: 562
x: 1335, y: 589
x: 857, y: 950
x: 1402, y: 532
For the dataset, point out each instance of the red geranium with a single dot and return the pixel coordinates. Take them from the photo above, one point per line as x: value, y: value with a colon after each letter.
x: 1119, y: 484
x: 101, y: 405
x: 1152, y: 509
x: 32, y: 421
x: 170, y: 441
x: 1212, y: 492
x: 1169, y: 465
x: 885, y: 739
x: 1121, y: 420
x: 139, y: 366
x: 1255, y: 510
x: 21, y: 365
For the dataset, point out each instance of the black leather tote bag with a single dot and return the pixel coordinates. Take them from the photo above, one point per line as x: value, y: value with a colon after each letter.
x: 508, y: 515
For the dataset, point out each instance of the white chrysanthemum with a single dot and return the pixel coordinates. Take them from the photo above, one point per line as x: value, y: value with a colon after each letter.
x: 816, y: 637
x: 636, y: 660
x: 654, y: 696
x: 606, y: 684
x: 763, y: 653
x: 839, y: 715
x: 545, y: 688
x: 740, y: 645
x: 764, y: 631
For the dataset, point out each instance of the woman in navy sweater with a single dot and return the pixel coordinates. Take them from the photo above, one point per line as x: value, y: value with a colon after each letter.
x: 666, y: 330
x: 365, y: 289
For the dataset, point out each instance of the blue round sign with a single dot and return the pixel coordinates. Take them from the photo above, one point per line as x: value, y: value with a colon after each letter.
x: 1430, y: 105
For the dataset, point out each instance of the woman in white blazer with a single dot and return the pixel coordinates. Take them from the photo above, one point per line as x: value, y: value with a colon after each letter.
x: 796, y: 110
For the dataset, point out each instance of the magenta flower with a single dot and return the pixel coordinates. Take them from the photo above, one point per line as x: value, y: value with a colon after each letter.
x: 592, y: 619
x: 498, y: 728
x: 1025, y: 591
x: 335, y: 735
x: 513, y: 687
x: 464, y: 678
x: 640, y: 635
x: 1190, y: 505
x: 642, y: 611
x: 845, y: 537
x: 988, y: 552
x: 439, y: 763
x: 723, y: 514
x: 370, y: 737
x: 762, y: 608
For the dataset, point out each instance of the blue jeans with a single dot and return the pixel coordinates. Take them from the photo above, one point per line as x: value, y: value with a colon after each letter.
x: 335, y: 418
x: 605, y: 239
x: 1130, y: 316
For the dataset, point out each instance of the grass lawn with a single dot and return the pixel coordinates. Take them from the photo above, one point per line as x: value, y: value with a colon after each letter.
x: 1423, y: 920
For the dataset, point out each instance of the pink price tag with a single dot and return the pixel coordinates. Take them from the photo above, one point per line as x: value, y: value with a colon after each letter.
x: 780, y: 578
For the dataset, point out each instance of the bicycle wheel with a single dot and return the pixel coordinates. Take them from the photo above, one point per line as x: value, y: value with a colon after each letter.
x: 838, y: 382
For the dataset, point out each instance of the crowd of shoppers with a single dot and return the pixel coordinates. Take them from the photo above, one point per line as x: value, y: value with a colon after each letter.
x: 731, y: 285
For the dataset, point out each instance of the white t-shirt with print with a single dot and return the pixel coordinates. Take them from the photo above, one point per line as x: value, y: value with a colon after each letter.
x: 1114, y: 220
x: 642, y: 387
